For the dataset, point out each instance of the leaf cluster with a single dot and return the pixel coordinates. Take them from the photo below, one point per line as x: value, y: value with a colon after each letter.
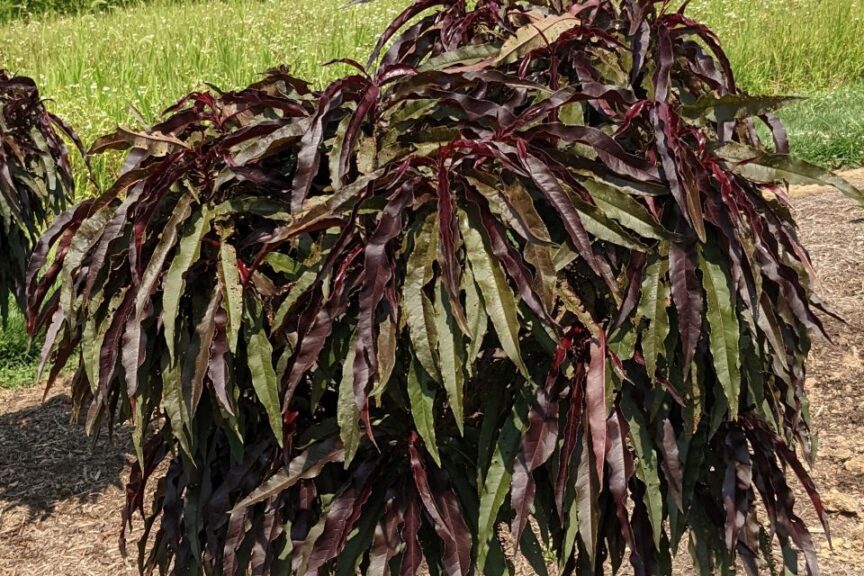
x: 531, y: 265
x: 35, y: 177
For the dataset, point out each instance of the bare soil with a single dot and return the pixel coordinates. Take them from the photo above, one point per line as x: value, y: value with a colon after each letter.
x: 60, y: 498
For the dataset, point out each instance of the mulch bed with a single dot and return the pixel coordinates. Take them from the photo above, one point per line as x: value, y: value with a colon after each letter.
x: 60, y: 498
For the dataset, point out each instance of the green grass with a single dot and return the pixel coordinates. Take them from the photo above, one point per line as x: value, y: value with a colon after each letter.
x: 828, y: 128
x: 98, y: 68
x: 18, y: 360
x: 29, y: 9
x: 789, y: 46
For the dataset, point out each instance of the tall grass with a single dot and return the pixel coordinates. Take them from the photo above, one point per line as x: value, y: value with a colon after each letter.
x: 98, y: 68
x: 103, y: 70
x: 18, y: 359
x: 789, y: 45
x: 28, y: 9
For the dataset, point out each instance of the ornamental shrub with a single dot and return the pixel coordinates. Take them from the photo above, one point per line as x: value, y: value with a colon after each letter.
x: 35, y: 177
x: 532, y: 265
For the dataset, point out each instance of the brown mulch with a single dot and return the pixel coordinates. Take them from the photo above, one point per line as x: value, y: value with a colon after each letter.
x: 832, y: 228
x: 60, y: 499
x: 60, y: 496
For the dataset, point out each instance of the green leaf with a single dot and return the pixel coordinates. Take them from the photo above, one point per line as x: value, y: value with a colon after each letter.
x: 261, y: 147
x: 167, y: 240
x: 267, y: 207
x: 94, y: 338
x: 542, y: 258
x: 490, y: 188
x: 303, y: 467
x: 499, y: 300
x: 386, y: 350
x: 336, y: 151
x: 422, y: 399
x: 175, y: 283
x: 229, y: 275
x: 522, y: 204
x: 475, y: 314
x: 462, y: 56
x: 298, y: 289
x: 764, y: 167
x: 646, y: 462
x: 604, y: 228
x: 282, y: 264
x: 735, y: 106
x: 723, y: 323
x: 347, y: 411
x: 174, y: 404
x: 450, y: 354
x: 586, y: 503
x: 627, y: 211
x: 259, y: 354
x: 653, y: 308
x: 419, y: 272
x: 496, y: 487
x: 535, y: 35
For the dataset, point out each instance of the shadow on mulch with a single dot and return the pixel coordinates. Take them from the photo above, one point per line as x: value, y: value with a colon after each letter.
x: 46, y: 459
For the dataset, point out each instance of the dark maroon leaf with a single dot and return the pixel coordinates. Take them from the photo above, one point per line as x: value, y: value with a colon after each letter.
x: 687, y: 296
x: 595, y: 397
x: 450, y: 527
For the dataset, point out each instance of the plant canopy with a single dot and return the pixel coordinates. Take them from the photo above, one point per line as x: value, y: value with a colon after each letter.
x: 531, y: 266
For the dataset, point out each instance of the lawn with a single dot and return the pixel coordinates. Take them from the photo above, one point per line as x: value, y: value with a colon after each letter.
x: 18, y: 359
x: 126, y: 65
x: 109, y: 68
x: 101, y: 69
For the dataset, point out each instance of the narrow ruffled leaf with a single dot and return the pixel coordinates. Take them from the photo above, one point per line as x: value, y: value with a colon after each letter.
x: 685, y: 192
x: 672, y: 464
x: 419, y: 273
x: 232, y: 287
x: 187, y: 254
x: 730, y: 107
x: 386, y: 350
x: 647, y: 468
x: 451, y: 359
x: 495, y: 488
x: 478, y: 321
x: 422, y: 398
x: 723, y: 324
x: 535, y: 35
x: 627, y: 211
x: 587, y: 488
x: 765, y: 167
x: 347, y: 411
x: 500, y: 303
x: 305, y: 466
x: 595, y: 395
x: 260, y: 355
x: 412, y: 557
x: 652, y: 307
x: 462, y: 56
x: 687, y: 295
x: 205, y: 331
x: 620, y: 465
x: 456, y: 558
